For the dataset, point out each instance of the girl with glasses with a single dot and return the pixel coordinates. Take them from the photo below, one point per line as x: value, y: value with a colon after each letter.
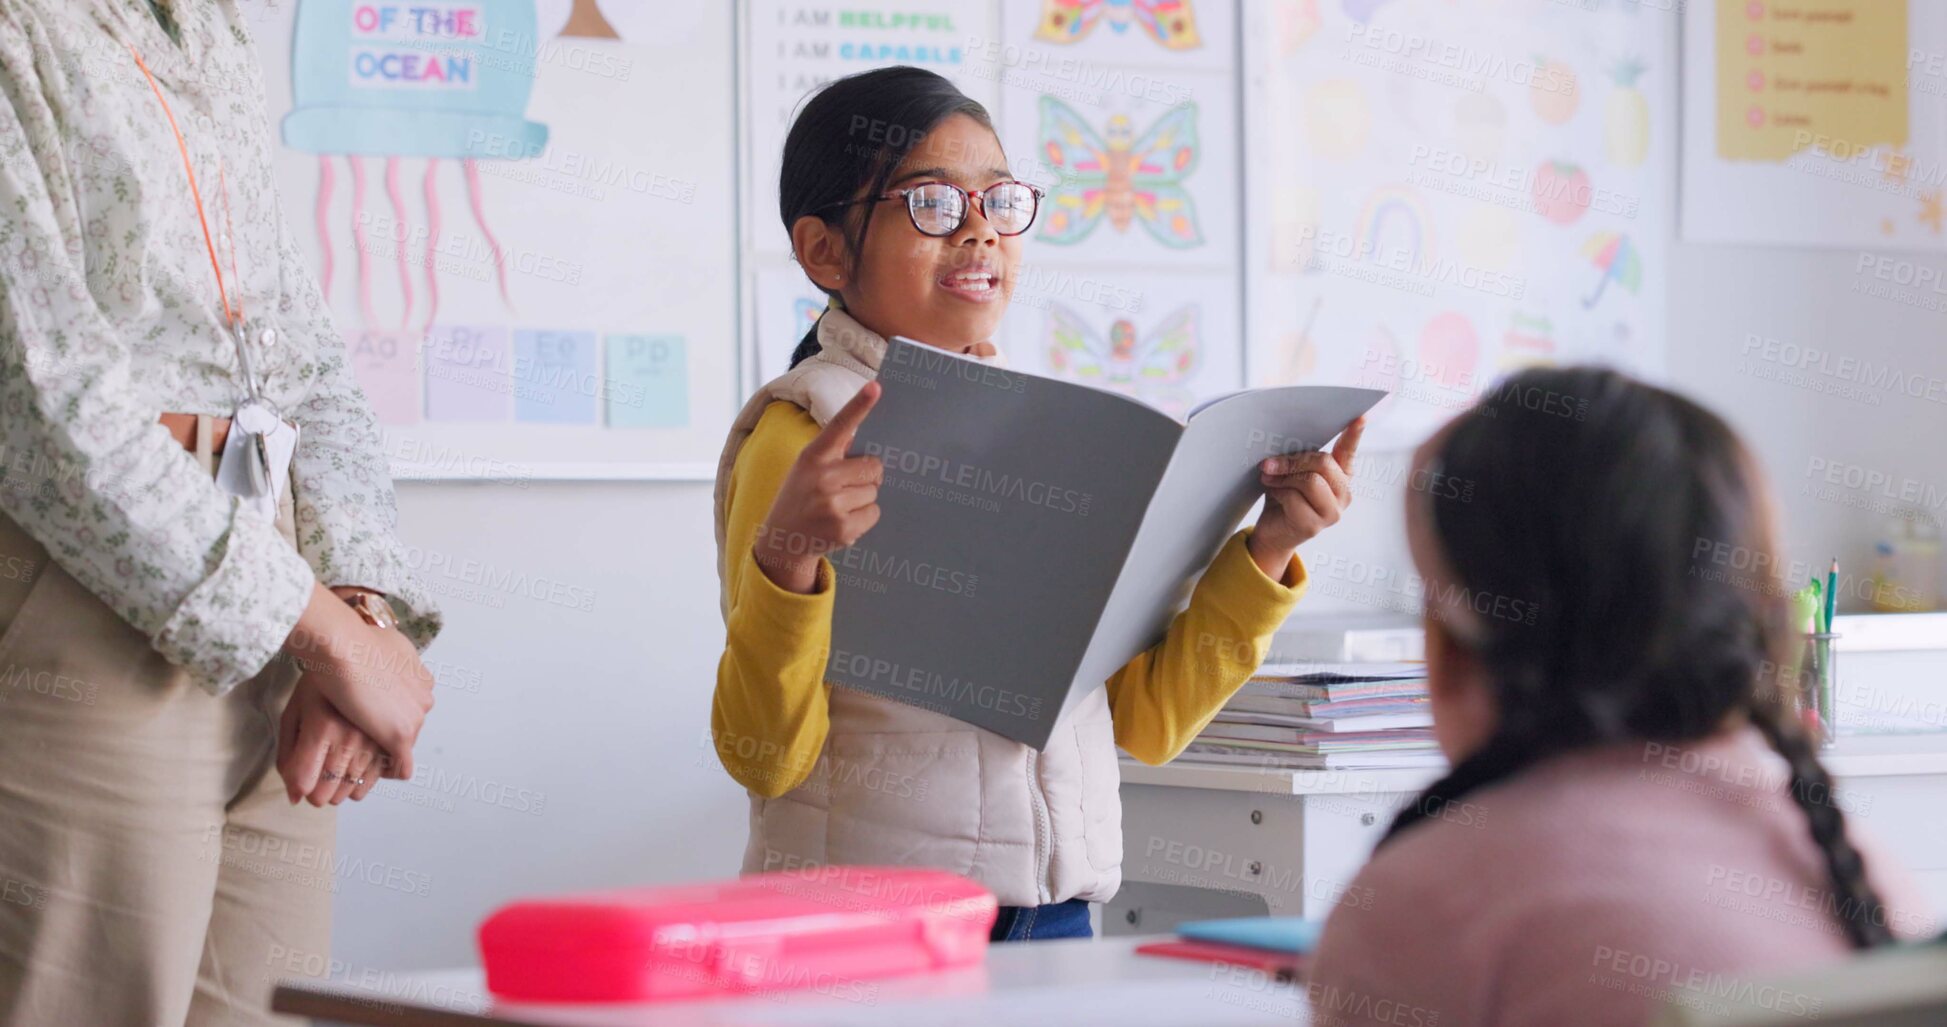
x: 901, y: 208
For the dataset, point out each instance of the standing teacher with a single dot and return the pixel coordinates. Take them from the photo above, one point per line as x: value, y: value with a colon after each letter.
x: 208, y: 633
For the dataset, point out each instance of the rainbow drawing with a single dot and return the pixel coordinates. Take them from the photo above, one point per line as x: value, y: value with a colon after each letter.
x: 1394, y: 221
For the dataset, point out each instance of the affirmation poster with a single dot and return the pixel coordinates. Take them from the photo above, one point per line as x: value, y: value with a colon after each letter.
x: 1440, y: 192
x: 795, y: 46
x: 1816, y: 123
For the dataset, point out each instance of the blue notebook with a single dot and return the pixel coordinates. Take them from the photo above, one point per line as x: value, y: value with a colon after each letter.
x: 1272, y: 933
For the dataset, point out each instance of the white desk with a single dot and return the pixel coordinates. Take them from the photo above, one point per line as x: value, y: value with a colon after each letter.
x: 1074, y: 983
x: 1207, y: 841
x: 1204, y: 841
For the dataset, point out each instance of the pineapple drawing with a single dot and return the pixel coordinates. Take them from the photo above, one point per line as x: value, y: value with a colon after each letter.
x: 1626, y: 122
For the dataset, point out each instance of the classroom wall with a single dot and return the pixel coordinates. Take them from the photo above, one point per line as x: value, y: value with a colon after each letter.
x: 568, y: 749
x: 1723, y: 296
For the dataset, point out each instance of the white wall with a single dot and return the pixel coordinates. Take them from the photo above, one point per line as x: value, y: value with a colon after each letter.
x: 580, y: 760
x: 1720, y: 296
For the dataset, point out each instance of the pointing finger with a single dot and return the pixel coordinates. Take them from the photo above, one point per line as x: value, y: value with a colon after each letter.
x: 837, y: 436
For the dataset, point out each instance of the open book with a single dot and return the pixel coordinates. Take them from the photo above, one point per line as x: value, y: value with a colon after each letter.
x: 1036, y: 534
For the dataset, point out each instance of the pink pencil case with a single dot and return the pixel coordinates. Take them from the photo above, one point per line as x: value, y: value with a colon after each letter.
x: 815, y: 928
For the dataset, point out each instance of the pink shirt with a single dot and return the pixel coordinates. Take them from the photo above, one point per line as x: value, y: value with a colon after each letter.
x: 1584, y: 889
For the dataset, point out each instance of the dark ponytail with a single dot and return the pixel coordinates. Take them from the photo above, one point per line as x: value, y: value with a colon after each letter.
x: 848, y: 141
x: 808, y: 345
x: 1592, y: 497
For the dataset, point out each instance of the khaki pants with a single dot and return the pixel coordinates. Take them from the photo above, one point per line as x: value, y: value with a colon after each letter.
x: 152, y: 871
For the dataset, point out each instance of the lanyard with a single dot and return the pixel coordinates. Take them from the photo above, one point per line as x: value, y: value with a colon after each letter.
x: 255, y: 416
x: 232, y: 315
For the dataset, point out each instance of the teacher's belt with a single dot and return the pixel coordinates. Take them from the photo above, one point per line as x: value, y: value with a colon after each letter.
x: 182, y: 428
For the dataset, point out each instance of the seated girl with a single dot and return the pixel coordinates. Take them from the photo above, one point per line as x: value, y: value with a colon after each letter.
x: 1634, y: 811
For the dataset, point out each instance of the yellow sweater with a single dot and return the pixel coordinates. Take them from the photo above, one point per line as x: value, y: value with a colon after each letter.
x: 771, y: 712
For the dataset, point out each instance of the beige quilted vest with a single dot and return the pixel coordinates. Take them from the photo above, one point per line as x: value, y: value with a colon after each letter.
x: 899, y: 785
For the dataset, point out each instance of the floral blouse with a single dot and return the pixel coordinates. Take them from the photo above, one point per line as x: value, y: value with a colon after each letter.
x: 109, y: 317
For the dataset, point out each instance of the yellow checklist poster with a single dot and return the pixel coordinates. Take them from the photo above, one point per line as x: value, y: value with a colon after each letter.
x: 1797, y: 74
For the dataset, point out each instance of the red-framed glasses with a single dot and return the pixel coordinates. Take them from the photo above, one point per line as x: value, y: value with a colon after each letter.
x: 940, y: 208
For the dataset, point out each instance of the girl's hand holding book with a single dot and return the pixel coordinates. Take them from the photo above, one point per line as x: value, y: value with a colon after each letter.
x: 1304, y: 494
x: 827, y: 502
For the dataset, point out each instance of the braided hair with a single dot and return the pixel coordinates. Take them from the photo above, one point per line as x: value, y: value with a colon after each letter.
x: 1642, y: 643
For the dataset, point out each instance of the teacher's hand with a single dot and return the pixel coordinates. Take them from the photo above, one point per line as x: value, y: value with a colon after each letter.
x: 320, y: 755
x: 1304, y: 494
x: 371, y: 676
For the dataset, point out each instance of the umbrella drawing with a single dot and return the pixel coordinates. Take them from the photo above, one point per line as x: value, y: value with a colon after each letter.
x: 1616, y: 256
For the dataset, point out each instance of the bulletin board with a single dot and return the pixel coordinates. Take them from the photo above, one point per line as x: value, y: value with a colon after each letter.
x: 1820, y: 123
x: 548, y: 228
x: 1127, y: 113
x: 1445, y: 191
x: 527, y: 239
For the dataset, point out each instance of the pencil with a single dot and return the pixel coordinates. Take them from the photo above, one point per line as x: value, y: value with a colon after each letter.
x: 1831, y: 594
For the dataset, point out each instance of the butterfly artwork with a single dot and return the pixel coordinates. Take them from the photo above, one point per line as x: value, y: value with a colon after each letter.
x: 1116, y: 176
x: 1171, y: 23
x: 1154, y: 368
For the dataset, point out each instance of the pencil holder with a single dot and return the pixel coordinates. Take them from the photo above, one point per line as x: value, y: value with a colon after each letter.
x: 1817, y: 676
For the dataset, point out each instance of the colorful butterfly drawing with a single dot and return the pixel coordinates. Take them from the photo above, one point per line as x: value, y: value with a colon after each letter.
x: 1169, y: 22
x: 1118, y: 175
x: 1155, y: 369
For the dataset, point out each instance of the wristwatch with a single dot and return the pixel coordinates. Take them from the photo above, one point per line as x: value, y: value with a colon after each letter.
x: 373, y: 608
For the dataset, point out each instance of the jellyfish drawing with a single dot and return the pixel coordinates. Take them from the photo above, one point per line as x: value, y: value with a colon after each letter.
x: 403, y: 80
x: 583, y: 18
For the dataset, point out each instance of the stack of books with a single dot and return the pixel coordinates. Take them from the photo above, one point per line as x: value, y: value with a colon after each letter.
x: 1325, y: 716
